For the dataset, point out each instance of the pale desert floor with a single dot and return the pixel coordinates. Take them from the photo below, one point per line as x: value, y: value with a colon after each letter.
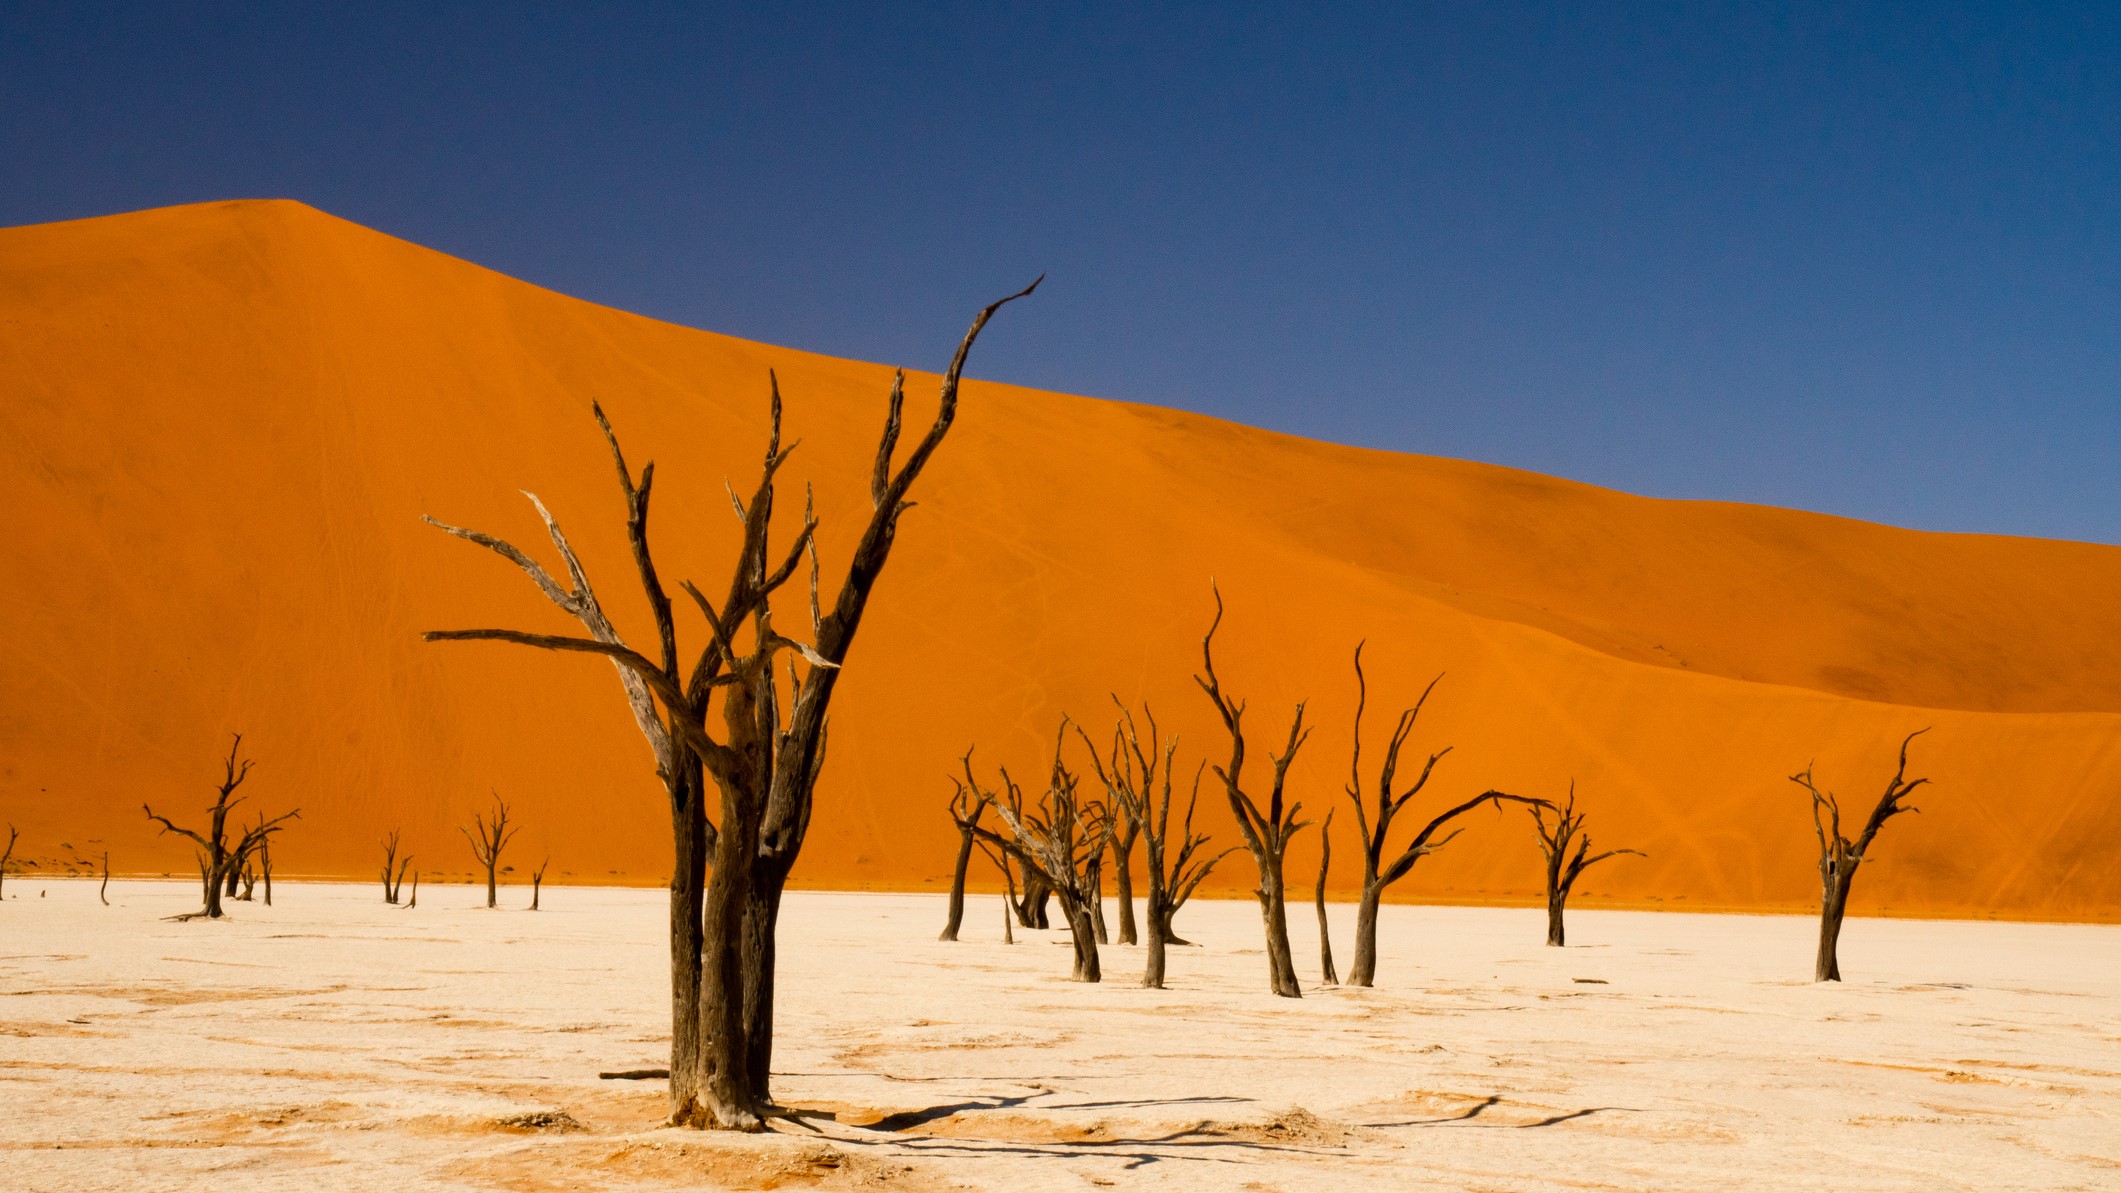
x: 332, y: 1042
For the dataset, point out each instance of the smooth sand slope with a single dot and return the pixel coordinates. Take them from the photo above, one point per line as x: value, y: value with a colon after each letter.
x: 220, y: 425
x: 335, y: 1043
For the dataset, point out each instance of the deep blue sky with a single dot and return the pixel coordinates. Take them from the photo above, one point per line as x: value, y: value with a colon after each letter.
x: 1861, y: 262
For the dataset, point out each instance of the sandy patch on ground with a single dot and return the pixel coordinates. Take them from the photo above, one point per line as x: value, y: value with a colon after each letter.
x: 342, y: 1044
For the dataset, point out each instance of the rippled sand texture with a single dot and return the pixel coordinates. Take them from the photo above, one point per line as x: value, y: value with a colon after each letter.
x: 332, y: 1042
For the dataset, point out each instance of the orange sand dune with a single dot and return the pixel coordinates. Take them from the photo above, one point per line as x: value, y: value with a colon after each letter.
x: 223, y: 422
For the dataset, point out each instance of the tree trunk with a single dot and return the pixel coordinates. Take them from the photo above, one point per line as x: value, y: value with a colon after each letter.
x: 1097, y: 904
x: 1556, y: 900
x: 1153, y: 972
x: 1084, y: 934
x: 1281, y: 966
x: 265, y: 867
x: 1364, y: 971
x: 1123, y: 890
x: 491, y: 900
x: 728, y: 1100
x: 1327, y: 973
x: 761, y: 936
x: 1833, y: 905
x: 688, y: 881
x: 1037, y: 891
x: 1170, y: 934
x: 957, y: 888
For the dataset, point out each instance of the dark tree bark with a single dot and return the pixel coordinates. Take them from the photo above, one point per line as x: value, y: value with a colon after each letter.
x: 1839, y: 857
x: 537, y: 883
x: 102, y: 892
x: 1327, y: 973
x: 1094, y: 879
x: 1266, y: 833
x: 763, y: 761
x: 489, y: 835
x: 1563, y: 867
x: 394, y: 868
x: 414, y: 900
x: 265, y: 864
x: 219, y: 863
x: 1377, y: 873
x: 8, y: 854
x: 1059, y: 838
x: 965, y: 811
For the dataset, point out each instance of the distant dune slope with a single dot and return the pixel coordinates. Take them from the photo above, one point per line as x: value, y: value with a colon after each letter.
x: 223, y: 422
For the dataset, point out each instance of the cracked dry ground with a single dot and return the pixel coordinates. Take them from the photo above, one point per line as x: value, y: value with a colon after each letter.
x: 337, y: 1043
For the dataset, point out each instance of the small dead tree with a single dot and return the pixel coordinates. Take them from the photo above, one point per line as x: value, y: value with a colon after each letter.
x: 1132, y: 774
x: 489, y: 835
x: 1377, y: 873
x: 1563, y: 867
x: 966, y: 808
x: 772, y: 699
x: 1058, y: 837
x: 537, y: 881
x: 1266, y: 833
x: 8, y: 855
x: 1327, y: 973
x: 219, y: 863
x: 1839, y: 857
x: 414, y: 900
x: 102, y: 892
x: 265, y: 864
x: 394, y: 868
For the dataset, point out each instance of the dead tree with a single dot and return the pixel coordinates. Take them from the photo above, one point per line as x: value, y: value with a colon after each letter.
x: 1132, y: 777
x: 414, y: 901
x: 489, y: 835
x: 265, y: 864
x: 1121, y: 829
x: 393, y: 868
x: 765, y: 762
x: 1563, y: 868
x: 1327, y: 973
x: 218, y: 861
x: 1266, y: 833
x: 1059, y: 837
x: 1839, y: 857
x: 966, y: 808
x: 102, y: 892
x: 537, y: 881
x: 1377, y: 873
x: 8, y: 855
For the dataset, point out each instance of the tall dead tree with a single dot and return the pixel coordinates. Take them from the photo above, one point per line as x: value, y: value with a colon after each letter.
x: 8, y: 855
x: 537, y: 882
x: 764, y: 765
x: 218, y: 860
x: 1839, y: 857
x: 1060, y: 838
x: 1564, y: 867
x: 489, y: 835
x: 394, y: 868
x: 1377, y: 872
x: 1327, y: 973
x: 1266, y: 833
x: 966, y: 808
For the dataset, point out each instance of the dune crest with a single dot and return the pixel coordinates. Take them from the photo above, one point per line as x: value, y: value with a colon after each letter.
x: 224, y: 421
